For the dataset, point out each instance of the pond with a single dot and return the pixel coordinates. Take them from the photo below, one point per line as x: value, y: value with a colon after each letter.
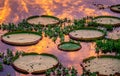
x: 15, y: 11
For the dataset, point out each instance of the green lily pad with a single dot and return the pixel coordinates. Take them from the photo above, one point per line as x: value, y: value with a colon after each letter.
x: 69, y: 46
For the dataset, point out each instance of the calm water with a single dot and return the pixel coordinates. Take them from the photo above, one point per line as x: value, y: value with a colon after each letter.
x: 16, y: 10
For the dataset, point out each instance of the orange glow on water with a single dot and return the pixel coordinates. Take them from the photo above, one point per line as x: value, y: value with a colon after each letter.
x: 38, y: 48
x: 4, y: 11
x: 92, y: 46
x: 16, y: 18
x: 72, y: 55
x: 15, y: 11
x: 46, y: 5
x: 24, y: 5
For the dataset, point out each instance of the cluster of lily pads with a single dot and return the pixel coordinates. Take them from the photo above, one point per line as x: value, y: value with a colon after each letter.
x: 50, y: 31
x: 53, y: 31
x: 8, y: 58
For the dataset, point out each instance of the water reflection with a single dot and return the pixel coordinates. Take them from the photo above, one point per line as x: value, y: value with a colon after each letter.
x: 16, y: 10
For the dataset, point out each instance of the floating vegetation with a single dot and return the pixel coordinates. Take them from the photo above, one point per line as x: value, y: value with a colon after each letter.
x: 62, y: 28
x: 43, y: 20
x: 1, y: 66
x: 69, y: 46
x: 61, y: 71
x: 89, y: 74
x: 87, y: 34
x: 107, y: 20
x: 102, y: 65
x: 58, y: 70
x: 21, y: 26
x: 108, y: 46
x: 115, y: 8
x: 35, y: 63
x: 9, y: 57
x: 21, y: 38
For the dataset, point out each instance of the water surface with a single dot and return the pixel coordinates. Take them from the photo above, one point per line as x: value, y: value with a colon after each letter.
x: 16, y: 10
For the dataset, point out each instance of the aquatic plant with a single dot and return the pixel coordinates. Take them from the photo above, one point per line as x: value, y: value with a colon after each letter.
x: 1, y: 66
x: 61, y: 71
x: 79, y: 22
x: 5, y: 60
x: 58, y: 31
x: 108, y: 46
x: 1, y: 54
x: 9, y: 57
x: 89, y: 74
x: 47, y: 73
x: 8, y: 74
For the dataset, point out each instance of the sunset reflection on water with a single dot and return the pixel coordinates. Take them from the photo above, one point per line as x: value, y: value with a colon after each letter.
x: 16, y: 10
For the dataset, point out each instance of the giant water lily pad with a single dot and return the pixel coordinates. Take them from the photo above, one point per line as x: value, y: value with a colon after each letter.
x: 107, y: 20
x: 105, y: 65
x: 43, y: 20
x: 21, y: 38
x: 86, y: 34
x: 35, y: 63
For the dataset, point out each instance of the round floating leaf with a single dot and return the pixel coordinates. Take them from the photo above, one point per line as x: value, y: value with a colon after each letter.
x: 21, y: 38
x: 69, y: 46
x: 35, y: 63
x: 86, y: 34
x: 107, y: 20
x: 43, y: 20
x: 105, y: 65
